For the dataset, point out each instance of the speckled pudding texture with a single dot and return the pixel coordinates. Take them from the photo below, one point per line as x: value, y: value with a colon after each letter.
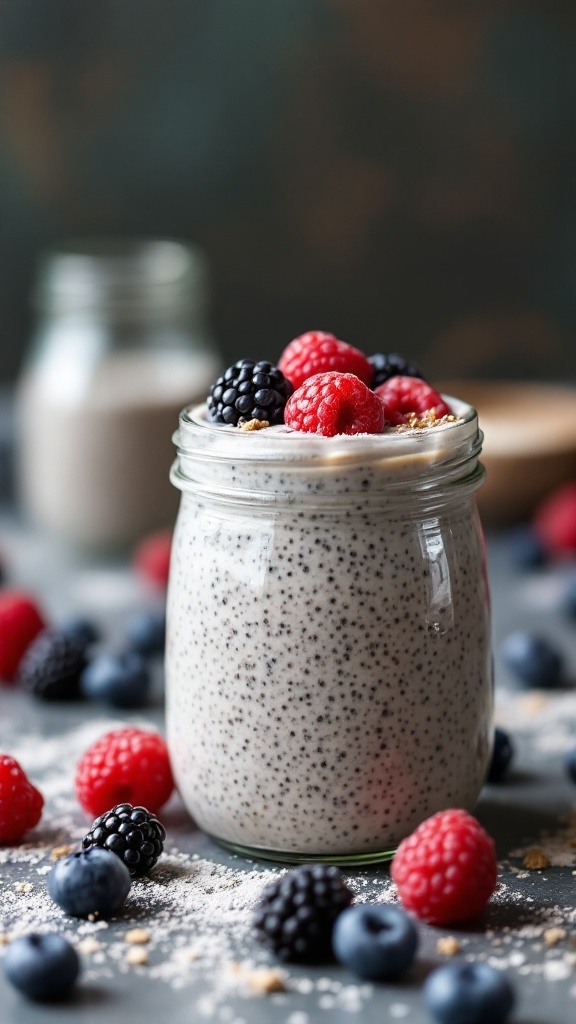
x: 328, y: 653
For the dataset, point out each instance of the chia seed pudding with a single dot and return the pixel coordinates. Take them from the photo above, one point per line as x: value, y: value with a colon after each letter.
x: 328, y: 658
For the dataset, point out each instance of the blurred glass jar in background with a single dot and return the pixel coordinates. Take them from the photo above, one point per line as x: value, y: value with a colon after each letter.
x: 121, y: 346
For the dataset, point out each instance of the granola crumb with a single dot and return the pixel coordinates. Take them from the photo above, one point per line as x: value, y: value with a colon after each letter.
x: 253, y: 424
x: 425, y: 420
x: 448, y: 946
x: 64, y: 850
x: 552, y: 936
x: 536, y: 860
x: 23, y: 886
x: 136, y: 956
x: 89, y: 945
x: 137, y: 937
x: 4, y: 938
x: 264, y: 980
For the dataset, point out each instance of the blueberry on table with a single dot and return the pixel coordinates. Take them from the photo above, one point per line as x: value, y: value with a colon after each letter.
x: 42, y: 966
x: 120, y: 680
x: 502, y: 754
x: 89, y: 882
x: 463, y: 993
x: 377, y: 942
x: 525, y: 549
x: 569, y: 599
x: 146, y: 632
x: 82, y: 630
x: 532, y: 660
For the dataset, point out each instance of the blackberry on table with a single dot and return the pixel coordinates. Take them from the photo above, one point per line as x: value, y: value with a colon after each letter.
x: 393, y: 365
x: 249, y: 391
x: 132, y: 833
x: 52, y: 666
x: 296, y: 914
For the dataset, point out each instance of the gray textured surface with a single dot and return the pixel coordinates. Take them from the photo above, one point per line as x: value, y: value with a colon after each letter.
x: 533, y: 798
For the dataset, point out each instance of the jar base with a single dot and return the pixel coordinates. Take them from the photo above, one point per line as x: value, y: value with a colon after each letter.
x: 289, y: 857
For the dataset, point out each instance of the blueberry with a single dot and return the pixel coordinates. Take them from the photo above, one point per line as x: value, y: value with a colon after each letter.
x: 569, y: 599
x: 376, y: 942
x: 502, y: 754
x: 82, y: 630
x: 532, y: 659
x: 146, y: 632
x: 462, y: 993
x: 42, y: 967
x: 526, y: 551
x: 92, y: 881
x: 121, y: 680
x: 570, y: 762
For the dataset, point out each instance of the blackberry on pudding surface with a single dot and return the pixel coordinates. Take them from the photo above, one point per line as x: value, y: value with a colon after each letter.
x: 249, y: 391
x: 393, y: 365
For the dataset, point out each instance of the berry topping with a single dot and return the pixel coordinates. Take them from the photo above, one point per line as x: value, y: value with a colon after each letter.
x: 375, y: 941
x: 43, y: 967
x: 532, y: 659
x: 502, y: 754
x: 319, y: 352
x: 463, y: 993
x: 132, y: 833
x: 335, y: 403
x: 90, y: 882
x: 249, y: 391
x: 20, y: 802
x: 52, y: 666
x: 296, y: 914
x: 152, y: 558
x: 125, y: 765
x: 404, y: 397
x: 446, y: 870
x: 555, y: 521
x: 20, y: 622
x: 120, y: 680
x: 393, y: 365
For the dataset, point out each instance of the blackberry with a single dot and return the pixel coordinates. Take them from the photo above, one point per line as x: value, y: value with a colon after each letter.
x: 296, y: 914
x: 249, y: 391
x: 393, y: 365
x: 52, y: 666
x: 132, y: 833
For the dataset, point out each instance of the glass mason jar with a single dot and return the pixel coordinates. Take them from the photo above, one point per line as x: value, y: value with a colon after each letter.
x: 328, y: 670
x: 121, y: 345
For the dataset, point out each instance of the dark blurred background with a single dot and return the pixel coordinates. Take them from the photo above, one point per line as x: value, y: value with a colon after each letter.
x: 400, y: 172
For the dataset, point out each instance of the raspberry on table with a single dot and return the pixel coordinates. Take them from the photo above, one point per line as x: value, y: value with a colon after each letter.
x: 132, y: 833
x: 403, y: 396
x: 20, y: 622
x: 295, y: 915
x: 320, y: 352
x: 393, y: 365
x: 20, y: 802
x: 151, y: 558
x: 335, y: 403
x: 124, y: 766
x: 249, y: 391
x: 446, y: 870
x: 52, y: 666
x: 554, y: 521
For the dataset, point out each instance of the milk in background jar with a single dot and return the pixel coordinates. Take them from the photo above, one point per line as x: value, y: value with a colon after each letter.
x: 121, y: 346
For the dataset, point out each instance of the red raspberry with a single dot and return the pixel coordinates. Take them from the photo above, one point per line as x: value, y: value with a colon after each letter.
x: 20, y: 802
x: 335, y: 403
x: 125, y: 766
x: 555, y: 521
x: 152, y: 558
x: 20, y: 623
x: 446, y: 870
x: 318, y: 352
x: 405, y: 395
